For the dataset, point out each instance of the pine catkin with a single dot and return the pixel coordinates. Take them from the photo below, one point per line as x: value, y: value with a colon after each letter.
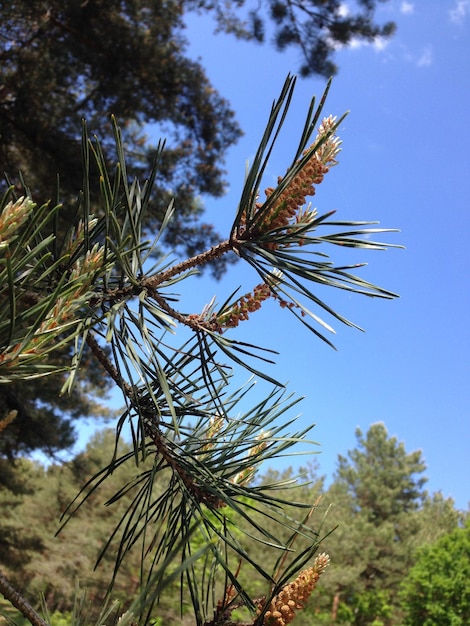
x: 294, y: 596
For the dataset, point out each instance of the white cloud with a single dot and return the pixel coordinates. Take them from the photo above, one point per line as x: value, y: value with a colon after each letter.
x: 379, y: 44
x: 407, y: 8
x: 460, y: 11
x: 425, y: 59
x: 343, y: 10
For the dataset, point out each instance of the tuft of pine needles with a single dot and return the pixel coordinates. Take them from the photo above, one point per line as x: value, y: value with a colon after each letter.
x: 105, y: 285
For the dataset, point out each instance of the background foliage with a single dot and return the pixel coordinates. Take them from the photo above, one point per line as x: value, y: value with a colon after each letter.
x: 436, y: 590
x: 52, y: 565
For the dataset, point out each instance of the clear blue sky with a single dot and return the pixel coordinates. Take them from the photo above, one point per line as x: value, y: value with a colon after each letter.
x: 405, y: 162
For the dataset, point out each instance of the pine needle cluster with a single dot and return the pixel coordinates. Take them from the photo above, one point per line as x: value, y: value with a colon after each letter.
x: 100, y: 289
x: 287, y: 208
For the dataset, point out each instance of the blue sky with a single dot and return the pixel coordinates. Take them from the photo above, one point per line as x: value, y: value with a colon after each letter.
x: 404, y: 163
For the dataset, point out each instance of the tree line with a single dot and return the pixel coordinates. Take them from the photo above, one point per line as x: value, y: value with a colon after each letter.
x: 390, y: 539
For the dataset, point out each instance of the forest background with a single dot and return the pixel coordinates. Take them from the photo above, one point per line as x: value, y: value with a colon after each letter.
x: 421, y: 391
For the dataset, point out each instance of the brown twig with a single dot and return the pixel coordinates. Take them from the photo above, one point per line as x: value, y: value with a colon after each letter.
x: 198, y: 492
x: 19, y: 602
x: 195, y: 261
x: 152, y: 283
x: 108, y: 366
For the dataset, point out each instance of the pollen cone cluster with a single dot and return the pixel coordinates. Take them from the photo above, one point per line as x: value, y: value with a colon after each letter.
x: 286, y: 210
x: 294, y: 596
x: 245, y: 305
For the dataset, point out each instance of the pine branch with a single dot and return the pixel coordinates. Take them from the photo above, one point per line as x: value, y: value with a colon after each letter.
x: 200, y: 494
x: 19, y: 602
x: 98, y: 288
x: 196, y: 261
x: 109, y: 367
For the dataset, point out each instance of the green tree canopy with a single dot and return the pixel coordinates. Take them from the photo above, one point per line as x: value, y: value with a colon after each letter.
x: 383, y: 515
x: 382, y: 478
x: 45, y: 419
x: 376, y: 493
x: 436, y: 591
x: 315, y: 27
x: 37, y: 561
x: 61, y: 62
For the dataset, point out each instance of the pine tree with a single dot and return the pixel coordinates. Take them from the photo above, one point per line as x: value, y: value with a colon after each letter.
x: 376, y: 495
x: 316, y: 27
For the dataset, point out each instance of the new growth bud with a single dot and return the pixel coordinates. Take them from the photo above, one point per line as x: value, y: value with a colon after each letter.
x: 295, y: 595
x: 13, y: 216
